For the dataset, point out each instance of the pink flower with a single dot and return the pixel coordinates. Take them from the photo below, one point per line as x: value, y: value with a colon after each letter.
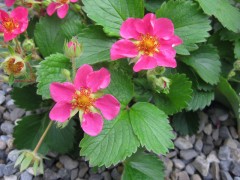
x: 83, y: 95
x: 13, y: 24
x: 149, y: 39
x: 9, y: 2
x: 61, y: 6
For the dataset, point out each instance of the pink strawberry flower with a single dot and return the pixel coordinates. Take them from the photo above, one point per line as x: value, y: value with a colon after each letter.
x: 61, y: 6
x: 83, y: 96
x: 9, y: 3
x: 14, y: 24
x: 149, y: 40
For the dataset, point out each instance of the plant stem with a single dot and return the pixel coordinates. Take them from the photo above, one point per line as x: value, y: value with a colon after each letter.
x: 18, y: 47
x: 42, y: 137
x: 73, y: 60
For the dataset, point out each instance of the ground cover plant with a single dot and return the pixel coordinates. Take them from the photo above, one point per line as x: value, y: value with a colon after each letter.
x: 111, y: 80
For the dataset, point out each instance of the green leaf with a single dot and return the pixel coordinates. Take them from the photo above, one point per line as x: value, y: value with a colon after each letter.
x: 116, y: 142
x: 151, y: 127
x: 237, y: 49
x: 72, y: 28
x: 191, y: 25
x: 143, y: 166
x: 111, y: 13
x: 205, y: 61
x: 58, y: 140
x: 178, y: 97
x: 121, y: 87
x: 25, y: 163
x: 186, y: 123
x: 222, y: 9
x: 26, y: 97
x: 50, y: 70
x: 143, y: 92
x: 96, y: 46
x: 200, y: 100
x: 153, y: 5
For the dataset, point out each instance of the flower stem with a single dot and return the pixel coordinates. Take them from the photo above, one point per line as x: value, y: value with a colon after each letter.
x: 42, y: 137
x: 18, y: 47
x: 73, y: 60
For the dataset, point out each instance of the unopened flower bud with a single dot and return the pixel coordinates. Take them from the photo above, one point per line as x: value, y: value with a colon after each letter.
x: 73, y: 49
x: 28, y: 45
x: 162, y: 84
x: 14, y: 65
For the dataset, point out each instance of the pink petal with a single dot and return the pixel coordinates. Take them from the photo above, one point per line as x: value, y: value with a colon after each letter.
x: 20, y: 14
x: 109, y: 106
x: 1, y: 28
x: 62, y: 11
x: 9, y: 2
x: 52, y: 7
x: 163, y: 28
x: 92, y: 123
x: 62, y: 91
x: 9, y: 36
x: 146, y: 24
x: 145, y: 62
x: 81, y: 76
x: 98, y: 79
x: 60, y: 112
x: 165, y: 61
x: 123, y: 48
x: 167, y: 51
x: 3, y: 15
x: 173, y: 41
x: 73, y: 1
x: 128, y: 29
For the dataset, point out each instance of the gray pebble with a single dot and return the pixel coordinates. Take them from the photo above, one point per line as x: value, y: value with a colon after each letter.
x: 182, y: 143
x: 178, y: 163
x: 96, y: 177
x: 182, y: 176
x: 203, y: 120
x: 225, y: 165
x: 212, y: 157
x: 16, y: 113
x: 215, y: 171
x: 83, y: 169
x: 188, y: 154
x: 196, y: 177
x: 115, y: 174
x: 224, y: 153
x: 12, y: 177
x: 198, y: 145
x: 9, y: 169
x: 50, y: 175
x: 106, y: 175
x: 202, y: 165
x: 7, y: 127
x: 168, y: 166
x: 26, y: 176
x: 68, y: 163
x: 13, y: 155
x: 230, y: 143
x: 190, y: 169
x: 235, y: 168
x: 224, y: 132
x: 215, y: 134
x: 2, y: 109
x: 225, y: 175
x: 207, y: 148
x: 74, y: 174
x: 172, y: 154
x: 236, y: 178
x: 2, y: 166
x: 64, y: 174
x: 208, y: 129
x: 233, y: 132
x: 2, y: 98
x: 3, y: 145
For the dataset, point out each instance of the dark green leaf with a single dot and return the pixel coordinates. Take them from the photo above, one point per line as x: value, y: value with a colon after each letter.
x: 153, y: 5
x: 237, y: 49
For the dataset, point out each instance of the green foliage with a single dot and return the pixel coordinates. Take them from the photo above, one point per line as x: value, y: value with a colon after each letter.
x: 205, y: 61
x: 222, y: 9
x: 143, y: 166
x: 186, y: 123
x: 153, y: 5
x: 151, y: 127
x: 50, y: 70
x: 110, y: 13
x: 190, y: 24
x: 116, y: 142
x: 178, y: 97
x: 58, y: 140
x: 96, y: 46
x: 237, y: 49
x: 143, y: 92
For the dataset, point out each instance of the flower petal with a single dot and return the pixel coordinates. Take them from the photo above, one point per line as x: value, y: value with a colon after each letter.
x: 62, y: 11
x: 146, y: 25
x: 98, y: 79
x: 145, y: 62
x: 128, y: 29
x: 9, y: 3
x: 9, y: 36
x: 92, y: 123
x: 163, y: 28
x: 173, y: 41
x: 62, y: 91
x: 108, y: 105
x: 3, y: 15
x: 52, y: 7
x: 20, y: 14
x: 123, y: 48
x: 60, y: 112
x: 81, y: 76
x: 73, y: 1
x: 165, y: 61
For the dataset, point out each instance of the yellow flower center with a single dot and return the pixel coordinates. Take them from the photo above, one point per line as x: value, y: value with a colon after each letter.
x: 63, y: 1
x: 9, y: 24
x: 83, y: 100
x: 148, y: 45
x: 14, y: 68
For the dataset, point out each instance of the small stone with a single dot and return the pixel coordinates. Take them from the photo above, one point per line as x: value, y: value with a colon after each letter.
x: 2, y: 154
x: 74, y: 174
x: 224, y: 133
x: 196, y: 177
x: 233, y: 132
x: 188, y: 154
x: 224, y: 153
x: 207, y: 148
x: 225, y: 175
x: 182, y: 143
x: 202, y: 165
x: 50, y: 175
x: 59, y: 165
x: 10, y: 104
x: 31, y: 171
x: 16, y: 113
x: 236, y: 178
x: 6, y: 116
x: 215, y: 171
x: 225, y: 165
x: 13, y: 155
x: 4, y: 138
x: 218, y: 142
x: 26, y: 176
x: 106, y: 175
x: 2, y: 166
x: 171, y: 154
x: 9, y: 169
x: 230, y: 143
x: 190, y: 169
x: 12, y: 177
x: 235, y: 154
x: 168, y: 166
x: 115, y: 175
x: 68, y: 163
x: 215, y: 134
x: 83, y: 169
x: 203, y: 120
x: 2, y: 98
x: 212, y: 157
x: 182, y: 176
x: 198, y: 145
x: 10, y: 143
x: 178, y: 163
x: 96, y: 177
x: 64, y: 174
x: 208, y: 129
x: 2, y: 109
x: 192, y: 139
x: 7, y: 127
x: 235, y: 168
x: 3, y: 145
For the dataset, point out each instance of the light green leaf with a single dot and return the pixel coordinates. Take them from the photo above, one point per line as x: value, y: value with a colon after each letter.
x: 25, y: 163
x: 191, y: 25
x: 116, y: 142
x: 205, y: 61
x: 111, y: 13
x: 96, y: 46
x: 151, y: 127
x: 178, y: 97
x: 143, y: 166
x: 50, y: 70
x: 222, y: 9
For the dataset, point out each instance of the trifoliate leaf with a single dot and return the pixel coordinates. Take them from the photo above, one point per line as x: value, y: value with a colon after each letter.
x: 114, y: 144
x: 50, y: 70
x: 111, y: 13
x: 190, y: 24
x: 186, y: 123
x: 179, y: 95
x: 152, y: 128
x: 205, y: 61
x: 96, y: 46
x: 143, y: 166
x: 222, y: 9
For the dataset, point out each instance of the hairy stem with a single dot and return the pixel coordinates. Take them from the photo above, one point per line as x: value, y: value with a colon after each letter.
x: 73, y: 60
